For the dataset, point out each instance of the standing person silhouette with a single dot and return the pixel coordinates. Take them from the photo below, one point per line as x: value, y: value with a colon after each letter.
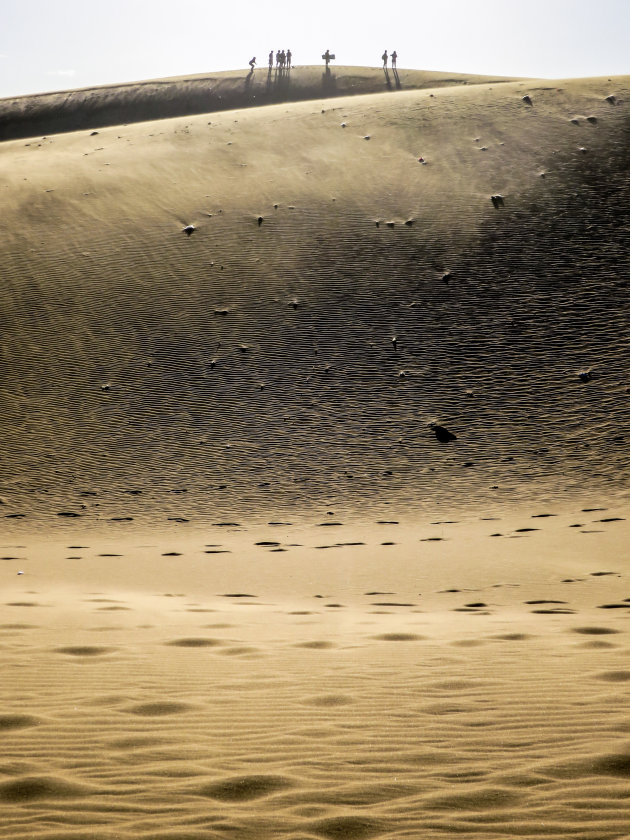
x: 252, y: 62
x: 394, y: 59
x: 278, y: 58
x: 384, y: 57
x: 289, y: 59
x: 271, y: 60
x: 327, y: 56
x: 283, y: 59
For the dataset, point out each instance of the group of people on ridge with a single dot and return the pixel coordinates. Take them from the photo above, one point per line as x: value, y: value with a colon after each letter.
x: 283, y: 60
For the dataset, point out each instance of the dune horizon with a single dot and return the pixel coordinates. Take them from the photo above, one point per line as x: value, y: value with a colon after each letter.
x: 314, y: 487
x: 66, y: 110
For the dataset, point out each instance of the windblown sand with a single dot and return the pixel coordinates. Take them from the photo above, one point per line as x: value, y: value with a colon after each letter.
x: 246, y: 590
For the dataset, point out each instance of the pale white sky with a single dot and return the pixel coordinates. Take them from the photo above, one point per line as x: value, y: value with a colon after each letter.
x: 60, y: 44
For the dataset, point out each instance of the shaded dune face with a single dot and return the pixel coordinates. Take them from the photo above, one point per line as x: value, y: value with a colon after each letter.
x: 313, y: 350
x: 89, y: 108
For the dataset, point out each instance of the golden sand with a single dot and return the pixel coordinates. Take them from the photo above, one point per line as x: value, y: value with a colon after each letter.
x: 247, y: 592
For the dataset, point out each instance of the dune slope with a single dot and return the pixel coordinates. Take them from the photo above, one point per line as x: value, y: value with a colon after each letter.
x: 354, y: 272
x: 314, y: 479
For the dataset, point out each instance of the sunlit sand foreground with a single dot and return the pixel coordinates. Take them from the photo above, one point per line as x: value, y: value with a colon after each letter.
x: 314, y: 484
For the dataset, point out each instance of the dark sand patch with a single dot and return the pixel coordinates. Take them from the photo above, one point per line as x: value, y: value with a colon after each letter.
x: 542, y: 601
x: 22, y: 604
x: 238, y: 595
x: 480, y: 799
x: 346, y: 828
x: 513, y: 637
x: 136, y: 742
x: 615, y: 764
x: 398, y: 637
x: 594, y: 631
x: 328, y: 700
x: 8, y: 722
x: 194, y: 642
x: 621, y: 606
x: 242, y: 650
x: 159, y: 709
x: 614, y: 676
x: 391, y: 604
x: 31, y: 788
x: 85, y: 650
x: 244, y: 788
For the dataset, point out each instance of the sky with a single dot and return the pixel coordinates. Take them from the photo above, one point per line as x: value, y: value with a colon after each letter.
x: 62, y: 44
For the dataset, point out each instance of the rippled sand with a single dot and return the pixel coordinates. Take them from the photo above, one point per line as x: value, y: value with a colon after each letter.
x: 314, y: 483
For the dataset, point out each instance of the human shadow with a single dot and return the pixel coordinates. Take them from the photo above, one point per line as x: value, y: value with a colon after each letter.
x: 388, y: 81
x: 396, y: 78
x: 248, y: 79
x: 283, y: 81
x: 329, y: 83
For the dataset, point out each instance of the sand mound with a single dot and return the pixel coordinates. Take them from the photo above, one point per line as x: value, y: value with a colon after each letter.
x: 144, y: 367
x: 153, y: 99
x: 421, y: 335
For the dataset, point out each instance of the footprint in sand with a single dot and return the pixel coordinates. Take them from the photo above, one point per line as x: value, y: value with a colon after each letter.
x: 622, y: 606
x: 238, y: 595
x: 544, y: 602
x: 22, y: 604
x: 328, y: 700
x: 614, y: 676
x: 159, y: 708
x: 513, y: 637
x: 85, y: 650
x: 194, y: 642
x: 392, y: 604
x: 398, y: 637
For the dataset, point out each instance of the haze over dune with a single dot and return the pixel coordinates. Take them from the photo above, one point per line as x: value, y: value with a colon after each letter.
x: 314, y: 481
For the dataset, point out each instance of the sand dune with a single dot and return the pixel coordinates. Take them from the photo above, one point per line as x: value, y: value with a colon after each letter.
x: 336, y: 297
x: 71, y: 110
x: 314, y: 482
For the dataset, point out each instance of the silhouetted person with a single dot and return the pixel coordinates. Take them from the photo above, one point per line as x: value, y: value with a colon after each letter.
x: 327, y: 56
x: 384, y: 57
x: 252, y: 62
x: 394, y: 59
x: 271, y: 60
x: 283, y: 59
x: 289, y: 58
x: 278, y: 58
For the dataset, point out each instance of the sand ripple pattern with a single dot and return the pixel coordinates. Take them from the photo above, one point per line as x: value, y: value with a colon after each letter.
x: 331, y: 329
x: 387, y: 735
